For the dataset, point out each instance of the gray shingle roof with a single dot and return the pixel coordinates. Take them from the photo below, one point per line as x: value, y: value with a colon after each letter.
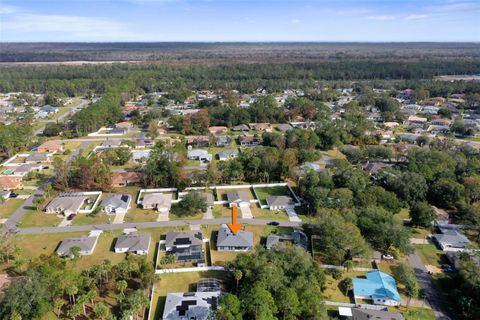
x: 226, y: 238
x: 85, y: 243
x: 134, y: 242
x: 176, y: 238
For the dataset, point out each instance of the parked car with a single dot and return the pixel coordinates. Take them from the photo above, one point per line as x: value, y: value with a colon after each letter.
x: 274, y: 223
x: 13, y: 195
x: 70, y: 217
x: 387, y: 256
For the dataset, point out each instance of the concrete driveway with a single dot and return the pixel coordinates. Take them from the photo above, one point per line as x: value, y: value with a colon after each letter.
x: 208, y: 214
x: 246, y: 212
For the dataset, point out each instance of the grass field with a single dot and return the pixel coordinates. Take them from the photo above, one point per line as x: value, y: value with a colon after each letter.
x: 87, y: 219
x: 430, y: 254
x: 8, y: 207
x: 140, y: 215
x: 222, y: 193
x: 415, y: 313
x: 259, y: 213
x: 35, y: 218
x: 264, y: 192
x: 333, y: 292
x: 180, y: 282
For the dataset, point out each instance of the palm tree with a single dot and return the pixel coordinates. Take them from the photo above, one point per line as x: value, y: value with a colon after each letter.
x: 101, y: 311
x: 122, y: 285
x: 238, y: 276
x: 91, y: 295
x: 82, y: 299
x: 347, y: 285
x: 74, y: 311
x: 71, y: 291
x: 348, y: 265
x: 58, y: 304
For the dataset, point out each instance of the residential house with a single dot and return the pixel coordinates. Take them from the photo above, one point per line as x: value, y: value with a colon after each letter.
x: 66, y: 204
x: 356, y: 313
x: 26, y: 168
x: 379, y: 287
x: 430, y: 110
x: 128, y: 178
x: 435, y: 129
x: 284, y: 127
x: 190, y: 305
x: 141, y: 156
x: 391, y: 124
x: 249, y: 141
x: 228, y: 241
x: 441, y: 122
x: 201, y: 155
x: 217, y: 130
x: 372, y: 168
x: 107, y: 144
x: 227, y: 155
x: 264, y: 127
x: 133, y: 242
x: 238, y: 198
x: 86, y: 244
x: 198, y: 141
x: 116, y: 204
x: 162, y: 202
x: 48, y: 109
x: 451, y: 239
x: 241, y: 127
x: 143, y: 143
x: 10, y: 183
x: 37, y: 158
x: 279, y: 202
x: 118, y: 131
x: 124, y: 125
x: 185, y: 245
x: 222, y: 141
x: 297, y: 238
x: 417, y: 120
x: 51, y: 146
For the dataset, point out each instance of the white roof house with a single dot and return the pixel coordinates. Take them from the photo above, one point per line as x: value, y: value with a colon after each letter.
x: 162, y: 202
x: 116, y: 203
x: 201, y: 155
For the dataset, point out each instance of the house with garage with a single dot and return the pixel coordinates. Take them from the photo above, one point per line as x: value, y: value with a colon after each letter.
x: 109, y: 144
x: 228, y: 241
x: 264, y: 127
x: 141, y: 156
x: 238, y: 198
x: 66, y: 204
x: 162, y: 202
x: 222, y: 141
x: 185, y: 245
x: 86, y: 244
x: 190, y: 305
x: 379, y: 287
x: 249, y: 141
x: 217, y: 130
x: 198, y: 141
x: 297, y: 238
x: 201, y: 155
x: 51, y: 146
x: 227, y: 155
x: 348, y: 313
x: 133, y: 242
x: 10, y: 183
x: 451, y: 240
x: 37, y: 158
x: 241, y: 127
x: 279, y: 202
x: 26, y: 168
x: 126, y: 178
x: 116, y: 204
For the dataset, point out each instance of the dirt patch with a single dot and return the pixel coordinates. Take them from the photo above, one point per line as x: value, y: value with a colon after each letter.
x: 433, y: 269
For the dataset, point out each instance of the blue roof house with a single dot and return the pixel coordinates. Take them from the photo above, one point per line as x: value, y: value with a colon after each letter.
x: 379, y: 287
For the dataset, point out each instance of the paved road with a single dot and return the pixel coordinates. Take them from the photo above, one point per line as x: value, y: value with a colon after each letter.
x: 432, y: 295
x: 157, y: 224
x: 18, y: 214
x: 76, y: 152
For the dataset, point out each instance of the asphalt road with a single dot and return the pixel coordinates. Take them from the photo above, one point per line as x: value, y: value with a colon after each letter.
x: 157, y: 224
x: 426, y: 282
x: 18, y: 214
x: 71, y: 110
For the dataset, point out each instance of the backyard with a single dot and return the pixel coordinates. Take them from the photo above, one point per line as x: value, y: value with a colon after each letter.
x: 8, y: 207
x: 264, y: 192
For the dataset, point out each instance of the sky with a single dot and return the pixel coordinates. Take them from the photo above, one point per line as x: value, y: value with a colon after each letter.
x: 239, y: 20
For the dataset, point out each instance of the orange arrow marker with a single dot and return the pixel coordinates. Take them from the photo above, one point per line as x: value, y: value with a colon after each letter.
x: 234, y: 226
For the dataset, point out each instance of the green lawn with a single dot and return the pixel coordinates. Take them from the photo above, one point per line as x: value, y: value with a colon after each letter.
x: 268, y: 214
x: 415, y: 313
x: 140, y: 215
x: 8, y: 207
x: 35, y: 218
x: 197, y: 216
x: 183, y: 282
x: 430, y: 254
x: 403, y: 214
x: 333, y: 292
x: 87, y: 219
x: 264, y: 192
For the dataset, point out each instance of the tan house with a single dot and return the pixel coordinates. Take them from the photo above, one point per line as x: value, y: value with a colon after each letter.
x: 217, y: 130
x: 123, y: 179
x: 162, y: 202
x: 10, y: 183
x: 51, y: 146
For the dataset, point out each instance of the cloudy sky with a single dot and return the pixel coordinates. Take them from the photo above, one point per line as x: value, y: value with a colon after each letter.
x: 239, y: 20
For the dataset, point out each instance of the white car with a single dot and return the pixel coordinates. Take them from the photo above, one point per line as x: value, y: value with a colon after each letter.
x: 387, y: 256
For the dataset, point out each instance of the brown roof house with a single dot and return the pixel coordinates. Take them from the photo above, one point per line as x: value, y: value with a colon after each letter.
x: 217, y: 130
x: 51, y: 146
x: 122, y: 179
x: 10, y: 183
x: 266, y: 127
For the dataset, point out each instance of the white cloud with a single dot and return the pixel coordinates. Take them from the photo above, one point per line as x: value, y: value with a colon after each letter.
x: 68, y: 27
x: 295, y: 21
x: 381, y: 18
x: 417, y: 16
x: 456, y: 7
x: 7, y: 9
